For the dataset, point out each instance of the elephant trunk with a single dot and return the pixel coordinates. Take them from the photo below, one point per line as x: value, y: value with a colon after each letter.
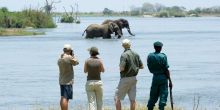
x: 83, y: 33
x: 129, y: 31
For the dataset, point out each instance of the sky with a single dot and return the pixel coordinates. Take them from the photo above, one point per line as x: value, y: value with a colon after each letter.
x: 99, y: 5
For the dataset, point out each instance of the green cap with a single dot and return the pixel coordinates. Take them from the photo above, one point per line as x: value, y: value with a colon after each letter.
x: 93, y: 50
x: 158, y: 43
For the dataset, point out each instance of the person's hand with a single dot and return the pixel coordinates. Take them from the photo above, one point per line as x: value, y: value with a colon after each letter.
x: 61, y: 56
x: 171, y: 85
x: 71, y: 53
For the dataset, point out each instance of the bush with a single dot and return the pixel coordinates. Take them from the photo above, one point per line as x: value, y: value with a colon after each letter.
x: 67, y: 19
x: 26, y: 18
x: 163, y: 14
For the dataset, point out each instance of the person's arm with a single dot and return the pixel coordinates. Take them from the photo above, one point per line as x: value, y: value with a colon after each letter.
x: 122, y: 63
x: 74, y: 61
x: 85, y: 67
x: 141, y: 66
x: 169, y: 78
x: 102, y: 69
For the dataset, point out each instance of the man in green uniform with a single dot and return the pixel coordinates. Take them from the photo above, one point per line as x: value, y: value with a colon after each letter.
x: 158, y: 66
x: 130, y: 63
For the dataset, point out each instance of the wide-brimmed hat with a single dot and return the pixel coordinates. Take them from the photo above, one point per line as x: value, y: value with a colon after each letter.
x: 93, y: 50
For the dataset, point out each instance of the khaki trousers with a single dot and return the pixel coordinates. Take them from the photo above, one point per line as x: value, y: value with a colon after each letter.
x: 94, y: 93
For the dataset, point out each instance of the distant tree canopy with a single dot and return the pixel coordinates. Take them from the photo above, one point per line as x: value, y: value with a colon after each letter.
x: 160, y: 10
x: 107, y: 11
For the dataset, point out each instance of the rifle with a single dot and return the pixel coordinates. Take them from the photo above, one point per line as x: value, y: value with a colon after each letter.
x: 171, y: 98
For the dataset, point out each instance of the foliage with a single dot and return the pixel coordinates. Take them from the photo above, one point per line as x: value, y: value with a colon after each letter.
x: 163, y: 14
x: 159, y: 10
x: 67, y: 19
x: 26, y: 18
x: 107, y: 11
x: 17, y: 32
x: 135, y: 11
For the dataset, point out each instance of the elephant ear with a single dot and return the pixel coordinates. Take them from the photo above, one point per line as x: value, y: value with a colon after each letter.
x: 110, y: 27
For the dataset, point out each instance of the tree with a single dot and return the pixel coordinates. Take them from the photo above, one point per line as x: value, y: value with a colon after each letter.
x: 107, y: 11
x: 4, y: 9
x: 50, y: 6
x: 159, y: 7
x: 148, y: 8
x: 135, y: 11
x: 198, y: 10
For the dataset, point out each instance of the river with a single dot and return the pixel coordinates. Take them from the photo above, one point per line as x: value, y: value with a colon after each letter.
x: 29, y: 71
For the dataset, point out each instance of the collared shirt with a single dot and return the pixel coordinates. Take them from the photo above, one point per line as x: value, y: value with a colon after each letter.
x: 66, y: 74
x: 157, y: 63
x: 131, y: 63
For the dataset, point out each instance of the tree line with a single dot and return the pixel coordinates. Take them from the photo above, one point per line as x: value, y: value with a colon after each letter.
x: 160, y: 10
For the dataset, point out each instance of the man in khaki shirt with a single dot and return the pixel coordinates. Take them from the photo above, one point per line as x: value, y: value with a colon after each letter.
x: 66, y: 75
x: 130, y: 63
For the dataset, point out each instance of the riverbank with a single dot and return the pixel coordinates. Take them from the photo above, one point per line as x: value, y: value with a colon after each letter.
x: 18, y: 32
x: 138, y: 107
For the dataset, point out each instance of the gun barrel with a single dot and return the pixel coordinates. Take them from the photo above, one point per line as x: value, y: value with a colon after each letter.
x: 171, y: 99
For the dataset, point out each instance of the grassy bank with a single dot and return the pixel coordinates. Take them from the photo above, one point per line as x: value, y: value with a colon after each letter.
x: 18, y: 32
x: 77, y: 107
x: 26, y: 18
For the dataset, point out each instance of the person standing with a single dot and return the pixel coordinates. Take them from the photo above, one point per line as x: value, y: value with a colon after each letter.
x: 130, y: 63
x: 66, y: 75
x: 158, y: 66
x: 94, y: 66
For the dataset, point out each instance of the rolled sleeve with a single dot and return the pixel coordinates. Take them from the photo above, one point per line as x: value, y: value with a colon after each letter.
x: 166, y: 62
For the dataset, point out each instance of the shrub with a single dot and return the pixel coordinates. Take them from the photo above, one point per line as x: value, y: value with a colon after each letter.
x: 26, y: 18
x: 67, y: 19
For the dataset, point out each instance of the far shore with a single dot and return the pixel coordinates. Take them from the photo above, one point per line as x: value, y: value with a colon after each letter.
x: 97, y: 14
x: 18, y: 32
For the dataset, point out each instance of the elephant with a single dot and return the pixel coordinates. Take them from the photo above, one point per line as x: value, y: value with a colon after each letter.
x: 103, y: 30
x: 122, y: 23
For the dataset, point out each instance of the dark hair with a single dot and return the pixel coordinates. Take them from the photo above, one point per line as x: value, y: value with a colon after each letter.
x: 66, y: 50
x: 157, y: 48
x: 94, y: 53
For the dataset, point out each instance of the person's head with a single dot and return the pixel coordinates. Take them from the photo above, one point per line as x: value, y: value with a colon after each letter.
x: 93, y: 51
x: 158, y: 46
x: 126, y: 43
x: 67, y: 48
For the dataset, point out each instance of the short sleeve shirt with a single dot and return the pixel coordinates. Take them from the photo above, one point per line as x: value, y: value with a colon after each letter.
x: 131, y: 62
x: 66, y: 73
x: 157, y: 63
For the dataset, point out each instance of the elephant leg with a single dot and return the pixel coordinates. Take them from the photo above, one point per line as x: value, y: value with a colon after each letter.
x: 107, y: 36
x: 119, y: 36
x: 88, y: 36
x: 121, y: 31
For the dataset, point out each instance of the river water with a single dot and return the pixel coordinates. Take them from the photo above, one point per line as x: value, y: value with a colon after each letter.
x: 29, y: 71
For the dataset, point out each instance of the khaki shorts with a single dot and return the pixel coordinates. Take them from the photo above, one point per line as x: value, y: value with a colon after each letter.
x: 126, y: 85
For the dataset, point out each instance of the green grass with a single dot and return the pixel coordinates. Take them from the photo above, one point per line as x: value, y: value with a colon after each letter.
x: 18, y: 32
x: 26, y: 18
x: 79, y: 107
